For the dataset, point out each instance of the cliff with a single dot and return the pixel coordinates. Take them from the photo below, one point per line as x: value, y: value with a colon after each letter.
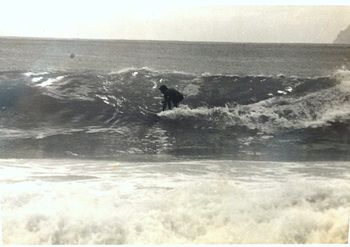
x: 343, y: 37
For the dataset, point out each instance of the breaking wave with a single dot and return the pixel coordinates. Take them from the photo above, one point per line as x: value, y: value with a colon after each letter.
x: 263, y: 103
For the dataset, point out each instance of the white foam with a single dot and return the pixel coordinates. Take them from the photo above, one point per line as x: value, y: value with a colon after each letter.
x: 131, y: 69
x: 30, y: 74
x: 37, y: 79
x: 343, y: 76
x: 289, y: 89
x: 191, y: 90
x: 155, y: 84
x: 173, y: 202
x: 185, y: 111
x: 50, y: 81
x: 124, y: 70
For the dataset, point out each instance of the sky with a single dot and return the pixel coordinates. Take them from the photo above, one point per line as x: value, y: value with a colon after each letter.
x: 184, y: 20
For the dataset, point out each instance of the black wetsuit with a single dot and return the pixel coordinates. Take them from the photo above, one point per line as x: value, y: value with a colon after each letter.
x: 172, y: 97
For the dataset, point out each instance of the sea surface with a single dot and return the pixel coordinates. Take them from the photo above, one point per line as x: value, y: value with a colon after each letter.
x: 258, y: 151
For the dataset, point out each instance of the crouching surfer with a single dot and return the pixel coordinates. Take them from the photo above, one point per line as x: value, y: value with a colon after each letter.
x: 172, y: 97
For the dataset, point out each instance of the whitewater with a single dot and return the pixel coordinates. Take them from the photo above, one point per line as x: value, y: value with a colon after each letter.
x: 258, y: 151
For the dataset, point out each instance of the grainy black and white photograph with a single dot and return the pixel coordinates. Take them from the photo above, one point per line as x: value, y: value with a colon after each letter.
x: 174, y: 122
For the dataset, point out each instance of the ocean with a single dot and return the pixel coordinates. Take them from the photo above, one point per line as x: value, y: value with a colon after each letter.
x: 257, y: 152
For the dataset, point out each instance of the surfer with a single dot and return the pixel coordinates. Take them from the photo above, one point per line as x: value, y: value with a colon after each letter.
x: 172, y: 97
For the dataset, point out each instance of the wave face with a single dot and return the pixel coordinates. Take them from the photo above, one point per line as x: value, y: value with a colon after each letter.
x: 254, y: 105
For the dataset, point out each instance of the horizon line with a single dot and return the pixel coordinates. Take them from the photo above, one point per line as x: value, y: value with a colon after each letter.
x: 157, y: 40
